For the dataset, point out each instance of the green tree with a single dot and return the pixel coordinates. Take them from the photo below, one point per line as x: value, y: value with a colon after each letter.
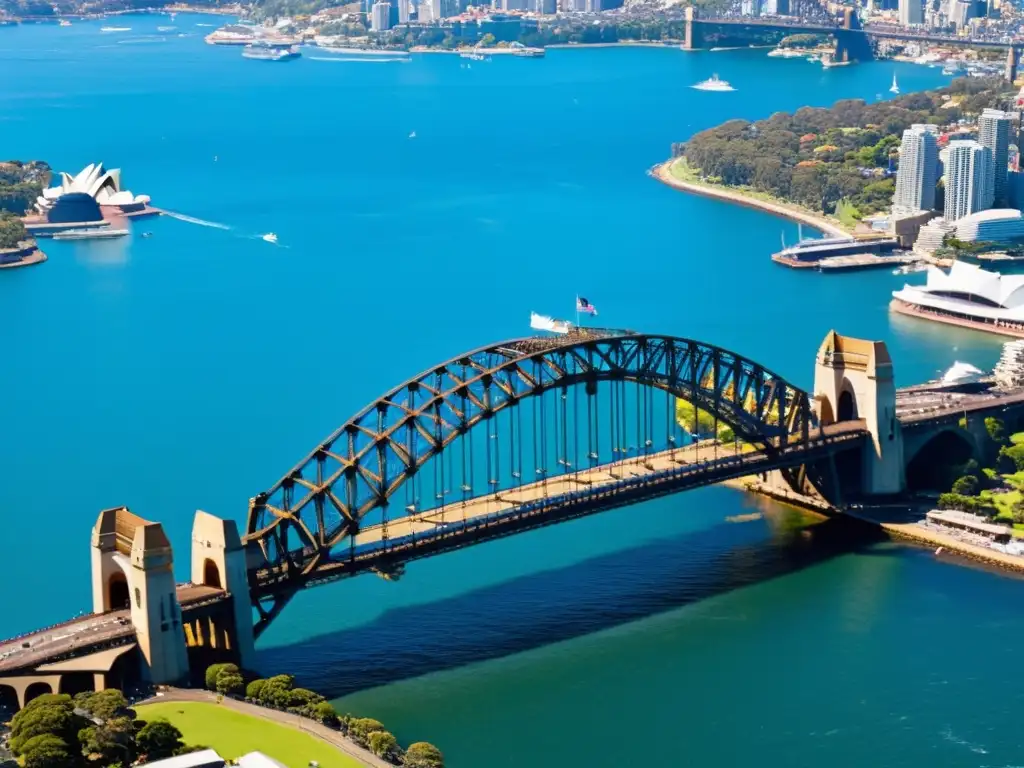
x: 382, y: 744
x: 324, y: 712
x: 1017, y: 512
x: 12, y: 231
x: 487, y: 40
x: 215, y: 670
x: 361, y: 728
x: 102, y: 704
x: 48, y: 751
x: 230, y: 683
x: 996, y: 429
x: 423, y: 754
x: 158, y: 739
x: 49, y: 714
x: 966, y: 485
x: 254, y: 690
x: 110, y: 744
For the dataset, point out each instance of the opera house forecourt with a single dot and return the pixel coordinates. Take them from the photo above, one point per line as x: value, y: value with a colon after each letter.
x: 967, y: 296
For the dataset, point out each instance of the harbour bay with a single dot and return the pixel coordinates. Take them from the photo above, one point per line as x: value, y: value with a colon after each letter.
x: 193, y: 368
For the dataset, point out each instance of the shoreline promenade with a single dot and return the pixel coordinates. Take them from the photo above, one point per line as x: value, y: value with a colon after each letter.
x: 663, y: 173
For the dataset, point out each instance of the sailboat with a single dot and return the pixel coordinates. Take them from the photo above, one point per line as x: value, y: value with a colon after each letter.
x: 895, y: 86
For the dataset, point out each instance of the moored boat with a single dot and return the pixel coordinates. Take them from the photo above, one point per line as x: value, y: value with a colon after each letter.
x: 263, y: 50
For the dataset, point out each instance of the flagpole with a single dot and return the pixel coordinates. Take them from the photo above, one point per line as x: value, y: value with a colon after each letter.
x: 577, y: 310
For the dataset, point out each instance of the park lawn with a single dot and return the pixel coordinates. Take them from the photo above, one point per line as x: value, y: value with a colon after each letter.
x: 234, y: 734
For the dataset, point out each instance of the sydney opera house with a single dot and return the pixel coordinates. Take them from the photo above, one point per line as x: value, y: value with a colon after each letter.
x: 967, y: 296
x: 99, y: 184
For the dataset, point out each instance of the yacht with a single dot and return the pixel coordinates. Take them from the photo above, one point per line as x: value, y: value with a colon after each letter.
x: 262, y: 50
x: 713, y: 83
x: 65, y: 23
x: 270, y: 237
x: 894, y: 88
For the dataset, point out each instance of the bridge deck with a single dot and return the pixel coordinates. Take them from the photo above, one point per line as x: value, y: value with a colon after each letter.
x: 551, y: 500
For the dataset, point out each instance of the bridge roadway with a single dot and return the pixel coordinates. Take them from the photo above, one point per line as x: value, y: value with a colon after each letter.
x: 555, y: 499
x: 88, y: 633
x: 888, y: 32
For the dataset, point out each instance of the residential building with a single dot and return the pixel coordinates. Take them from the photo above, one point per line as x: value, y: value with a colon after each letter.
x: 911, y: 12
x: 919, y: 169
x: 750, y: 7
x: 994, y: 133
x: 435, y: 9
x: 380, y: 16
x: 403, y: 11
x: 967, y: 179
x: 776, y: 7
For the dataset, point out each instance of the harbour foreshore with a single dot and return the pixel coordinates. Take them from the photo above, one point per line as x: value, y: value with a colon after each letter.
x: 663, y: 174
x: 1003, y: 329
x: 908, y: 532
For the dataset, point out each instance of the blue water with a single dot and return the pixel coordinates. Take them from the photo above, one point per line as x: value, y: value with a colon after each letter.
x: 192, y: 369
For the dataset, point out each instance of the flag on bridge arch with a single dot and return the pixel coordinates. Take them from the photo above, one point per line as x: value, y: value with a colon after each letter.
x: 584, y: 306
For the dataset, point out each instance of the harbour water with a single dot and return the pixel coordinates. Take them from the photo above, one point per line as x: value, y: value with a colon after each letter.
x: 191, y: 369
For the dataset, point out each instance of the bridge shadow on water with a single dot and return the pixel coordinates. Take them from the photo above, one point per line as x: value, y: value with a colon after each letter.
x: 554, y: 605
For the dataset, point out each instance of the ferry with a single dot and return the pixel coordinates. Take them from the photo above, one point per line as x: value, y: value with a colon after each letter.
x: 518, y: 49
x: 262, y: 50
x: 369, y: 53
x: 713, y: 83
x: 807, y: 253
x: 115, y: 29
x: 89, y: 234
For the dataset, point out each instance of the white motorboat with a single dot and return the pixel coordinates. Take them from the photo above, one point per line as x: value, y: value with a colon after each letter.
x: 270, y: 237
x: 894, y: 88
x: 713, y: 83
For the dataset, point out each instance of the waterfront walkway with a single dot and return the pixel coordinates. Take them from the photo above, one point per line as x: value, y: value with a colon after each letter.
x: 663, y: 173
x: 331, y: 736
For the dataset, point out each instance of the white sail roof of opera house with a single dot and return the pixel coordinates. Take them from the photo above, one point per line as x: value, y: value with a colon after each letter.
x: 970, y: 291
x: 96, y: 181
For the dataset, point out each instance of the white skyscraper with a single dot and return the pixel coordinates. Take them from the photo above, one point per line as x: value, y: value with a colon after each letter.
x: 380, y: 16
x: 911, y: 12
x: 403, y: 11
x: 994, y: 133
x: 750, y: 7
x: 968, y: 173
x: 919, y: 168
x: 435, y: 10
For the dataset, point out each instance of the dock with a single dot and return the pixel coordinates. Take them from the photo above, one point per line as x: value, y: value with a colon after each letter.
x: 862, y: 261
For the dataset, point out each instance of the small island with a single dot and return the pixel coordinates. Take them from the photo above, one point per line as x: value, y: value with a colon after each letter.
x: 829, y: 168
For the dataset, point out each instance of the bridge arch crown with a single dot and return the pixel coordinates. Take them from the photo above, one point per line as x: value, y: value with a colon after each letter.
x: 376, y: 458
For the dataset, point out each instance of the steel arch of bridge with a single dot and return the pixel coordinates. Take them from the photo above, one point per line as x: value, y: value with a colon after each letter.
x: 321, y: 502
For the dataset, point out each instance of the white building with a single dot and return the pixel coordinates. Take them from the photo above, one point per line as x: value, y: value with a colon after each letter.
x: 960, y: 13
x: 380, y: 16
x: 968, y: 181
x: 996, y: 225
x: 750, y: 7
x: 911, y: 12
x: 918, y: 171
x: 966, y: 295
x: 994, y: 133
x: 404, y: 10
x: 435, y: 9
x: 100, y: 184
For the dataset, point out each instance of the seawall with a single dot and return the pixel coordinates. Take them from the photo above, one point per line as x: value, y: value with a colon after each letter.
x: 663, y: 174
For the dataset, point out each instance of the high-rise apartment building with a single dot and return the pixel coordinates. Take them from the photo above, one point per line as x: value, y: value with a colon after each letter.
x: 380, y: 16
x: 994, y: 133
x: 968, y: 173
x: 403, y: 11
x: 918, y: 171
x: 911, y: 12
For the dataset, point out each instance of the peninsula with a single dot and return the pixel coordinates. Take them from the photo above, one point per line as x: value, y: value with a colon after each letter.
x: 829, y: 168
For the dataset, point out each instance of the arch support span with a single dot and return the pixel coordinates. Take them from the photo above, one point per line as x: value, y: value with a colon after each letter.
x: 362, y: 466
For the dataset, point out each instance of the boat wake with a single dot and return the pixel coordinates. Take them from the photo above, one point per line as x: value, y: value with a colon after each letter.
x: 142, y: 41
x: 206, y: 25
x: 359, y: 60
x: 194, y: 220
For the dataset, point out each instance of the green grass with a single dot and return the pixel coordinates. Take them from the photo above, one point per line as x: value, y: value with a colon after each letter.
x: 233, y: 734
x: 1002, y: 501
